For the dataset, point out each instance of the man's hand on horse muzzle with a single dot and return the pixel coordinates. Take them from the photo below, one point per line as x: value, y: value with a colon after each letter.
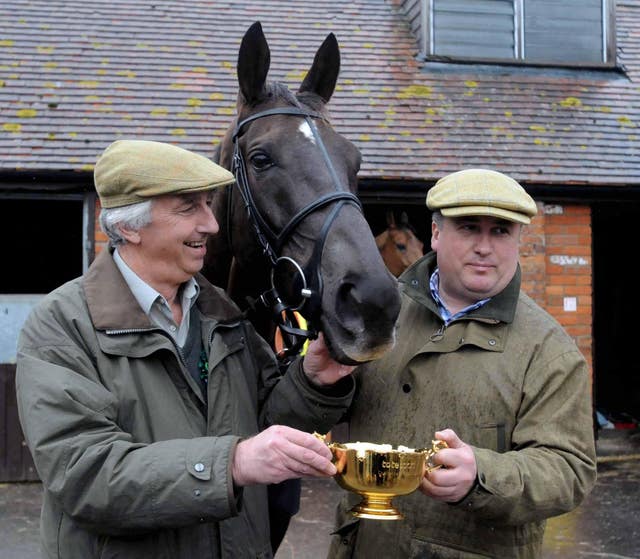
x: 320, y: 368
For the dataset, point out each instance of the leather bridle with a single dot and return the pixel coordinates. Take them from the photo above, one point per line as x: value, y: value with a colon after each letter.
x: 272, y: 242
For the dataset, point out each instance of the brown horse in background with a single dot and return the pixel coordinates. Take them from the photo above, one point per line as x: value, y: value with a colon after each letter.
x: 398, y: 244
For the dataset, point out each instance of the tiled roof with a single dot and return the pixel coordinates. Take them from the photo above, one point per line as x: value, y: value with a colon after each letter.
x: 75, y: 75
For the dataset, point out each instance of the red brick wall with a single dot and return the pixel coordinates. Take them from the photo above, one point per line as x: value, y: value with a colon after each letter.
x: 557, y: 268
x: 101, y: 239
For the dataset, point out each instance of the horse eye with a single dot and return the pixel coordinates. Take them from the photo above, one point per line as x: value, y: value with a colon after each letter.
x: 261, y: 161
x: 401, y: 246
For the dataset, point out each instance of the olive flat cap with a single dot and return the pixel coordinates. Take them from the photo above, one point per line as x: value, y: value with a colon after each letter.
x: 131, y: 171
x: 481, y: 192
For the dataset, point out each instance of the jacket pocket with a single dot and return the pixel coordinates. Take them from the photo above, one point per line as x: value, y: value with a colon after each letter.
x: 492, y: 436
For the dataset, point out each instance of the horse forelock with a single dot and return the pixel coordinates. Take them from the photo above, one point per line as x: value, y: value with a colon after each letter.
x: 314, y: 102
x: 277, y: 91
x: 272, y: 93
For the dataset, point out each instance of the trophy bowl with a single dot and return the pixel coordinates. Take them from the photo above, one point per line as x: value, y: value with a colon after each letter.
x: 378, y: 473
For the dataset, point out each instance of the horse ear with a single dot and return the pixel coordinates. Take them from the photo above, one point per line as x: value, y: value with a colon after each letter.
x: 404, y: 223
x: 391, y: 219
x: 254, y: 59
x: 321, y: 78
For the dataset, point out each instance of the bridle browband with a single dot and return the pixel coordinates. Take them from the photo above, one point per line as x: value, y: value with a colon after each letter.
x: 272, y: 242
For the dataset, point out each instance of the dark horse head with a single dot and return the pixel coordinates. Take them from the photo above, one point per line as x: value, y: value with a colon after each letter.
x: 292, y: 227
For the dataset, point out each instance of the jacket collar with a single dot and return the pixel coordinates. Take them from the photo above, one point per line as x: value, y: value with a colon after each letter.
x: 112, y: 306
x: 502, y: 307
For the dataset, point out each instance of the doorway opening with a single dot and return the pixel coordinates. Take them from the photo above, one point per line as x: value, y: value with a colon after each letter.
x: 43, y: 243
x: 616, y: 309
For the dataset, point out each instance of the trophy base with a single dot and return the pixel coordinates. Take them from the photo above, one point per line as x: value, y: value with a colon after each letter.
x: 377, y: 509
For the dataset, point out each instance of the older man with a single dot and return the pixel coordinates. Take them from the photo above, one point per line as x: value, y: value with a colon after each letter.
x: 480, y: 366
x: 146, y: 398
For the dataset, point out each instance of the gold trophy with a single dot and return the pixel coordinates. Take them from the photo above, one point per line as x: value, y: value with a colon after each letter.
x: 379, y: 472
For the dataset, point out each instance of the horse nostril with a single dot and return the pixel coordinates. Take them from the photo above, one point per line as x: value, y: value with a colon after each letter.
x: 349, y: 307
x: 345, y: 294
x: 362, y: 304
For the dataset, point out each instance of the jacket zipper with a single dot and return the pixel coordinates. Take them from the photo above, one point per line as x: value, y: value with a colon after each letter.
x: 129, y: 331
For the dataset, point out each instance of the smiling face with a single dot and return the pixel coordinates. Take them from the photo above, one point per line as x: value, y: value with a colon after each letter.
x: 171, y: 249
x: 477, y: 257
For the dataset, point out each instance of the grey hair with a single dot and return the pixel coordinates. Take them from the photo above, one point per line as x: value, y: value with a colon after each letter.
x: 134, y: 216
x: 437, y: 218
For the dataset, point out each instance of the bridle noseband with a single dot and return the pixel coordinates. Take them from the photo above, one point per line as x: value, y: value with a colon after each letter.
x: 271, y: 242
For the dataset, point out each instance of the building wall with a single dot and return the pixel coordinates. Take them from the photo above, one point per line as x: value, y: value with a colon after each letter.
x: 101, y: 240
x: 556, y: 259
x: 556, y: 265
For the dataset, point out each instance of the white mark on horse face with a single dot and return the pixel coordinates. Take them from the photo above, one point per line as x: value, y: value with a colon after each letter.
x: 306, y: 131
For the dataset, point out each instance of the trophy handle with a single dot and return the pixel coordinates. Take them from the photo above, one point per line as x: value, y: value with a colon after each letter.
x: 430, y: 452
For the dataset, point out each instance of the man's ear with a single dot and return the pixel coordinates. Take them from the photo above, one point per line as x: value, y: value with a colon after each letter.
x: 435, y: 233
x: 132, y: 236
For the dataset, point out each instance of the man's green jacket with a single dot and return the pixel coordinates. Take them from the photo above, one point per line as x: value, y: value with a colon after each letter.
x: 133, y: 462
x: 511, y: 383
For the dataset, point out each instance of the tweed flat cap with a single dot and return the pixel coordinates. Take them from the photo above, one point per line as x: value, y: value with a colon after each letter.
x: 131, y: 171
x: 481, y: 192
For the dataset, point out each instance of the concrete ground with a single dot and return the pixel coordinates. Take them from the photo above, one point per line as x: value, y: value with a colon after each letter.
x: 605, y: 526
